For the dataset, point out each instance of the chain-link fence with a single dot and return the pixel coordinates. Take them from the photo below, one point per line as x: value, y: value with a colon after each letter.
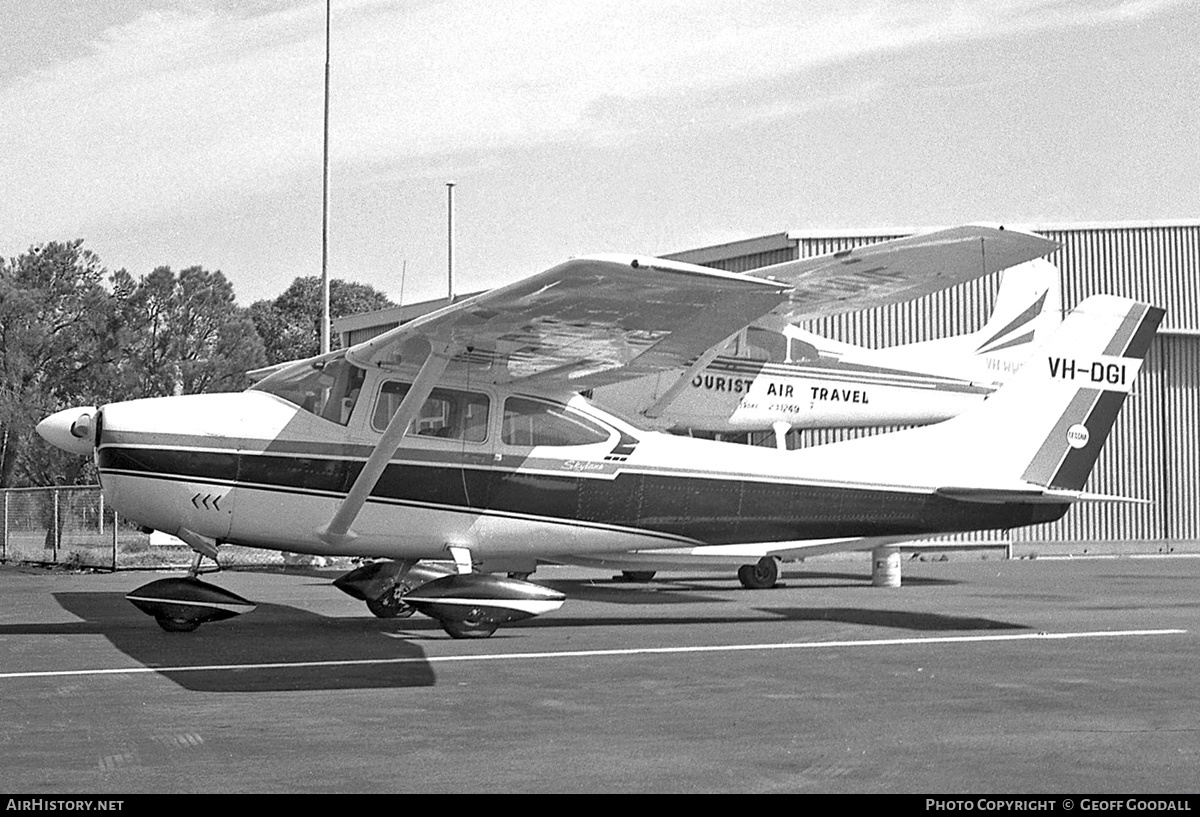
x: 71, y: 526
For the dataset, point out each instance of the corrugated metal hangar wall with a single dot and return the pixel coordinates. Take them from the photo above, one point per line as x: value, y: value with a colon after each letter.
x: 1154, y: 450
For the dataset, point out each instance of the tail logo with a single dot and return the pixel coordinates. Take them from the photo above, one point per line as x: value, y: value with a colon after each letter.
x: 1002, y: 339
x: 1077, y: 435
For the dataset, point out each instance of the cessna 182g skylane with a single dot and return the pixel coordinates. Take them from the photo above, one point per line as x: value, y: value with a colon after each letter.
x: 463, y: 433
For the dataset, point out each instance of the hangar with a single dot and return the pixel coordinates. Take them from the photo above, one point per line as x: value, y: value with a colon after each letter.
x: 1154, y: 451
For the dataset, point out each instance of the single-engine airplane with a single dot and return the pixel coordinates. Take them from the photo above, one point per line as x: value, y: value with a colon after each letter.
x: 768, y: 379
x: 463, y: 433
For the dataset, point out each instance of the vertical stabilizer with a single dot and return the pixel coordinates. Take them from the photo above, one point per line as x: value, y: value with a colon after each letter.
x: 1101, y: 383
x: 1028, y: 309
x: 1045, y: 427
x: 1048, y: 423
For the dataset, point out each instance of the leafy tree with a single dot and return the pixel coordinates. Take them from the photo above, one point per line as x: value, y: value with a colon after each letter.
x: 66, y: 339
x: 185, y: 334
x: 58, y: 347
x: 290, y: 325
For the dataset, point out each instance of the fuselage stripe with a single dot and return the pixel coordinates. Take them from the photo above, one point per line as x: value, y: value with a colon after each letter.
x: 691, y: 507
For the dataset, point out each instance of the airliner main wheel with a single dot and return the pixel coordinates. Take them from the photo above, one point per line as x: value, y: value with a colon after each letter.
x: 637, y: 575
x: 761, y: 575
x: 469, y: 628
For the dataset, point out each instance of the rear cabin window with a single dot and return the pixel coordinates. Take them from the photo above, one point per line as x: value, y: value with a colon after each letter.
x: 532, y: 422
x: 448, y: 414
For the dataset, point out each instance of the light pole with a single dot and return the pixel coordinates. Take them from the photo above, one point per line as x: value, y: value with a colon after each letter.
x: 450, y: 238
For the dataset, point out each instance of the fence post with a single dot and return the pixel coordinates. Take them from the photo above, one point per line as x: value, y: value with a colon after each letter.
x: 57, y: 532
x: 101, y: 514
x: 114, y: 540
x: 4, y: 552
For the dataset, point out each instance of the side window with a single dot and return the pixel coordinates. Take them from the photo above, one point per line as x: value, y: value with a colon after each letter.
x: 763, y: 344
x: 532, y: 422
x: 448, y: 414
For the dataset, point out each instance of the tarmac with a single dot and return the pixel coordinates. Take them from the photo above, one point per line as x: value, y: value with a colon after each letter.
x: 977, y: 676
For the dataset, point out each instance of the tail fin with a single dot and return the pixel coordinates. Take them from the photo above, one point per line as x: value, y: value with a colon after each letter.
x: 1048, y: 424
x: 1097, y: 386
x: 1045, y: 427
x: 1028, y: 309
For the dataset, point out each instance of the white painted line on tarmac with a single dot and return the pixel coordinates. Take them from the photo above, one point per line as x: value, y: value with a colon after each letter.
x: 444, y: 659
x: 1086, y: 556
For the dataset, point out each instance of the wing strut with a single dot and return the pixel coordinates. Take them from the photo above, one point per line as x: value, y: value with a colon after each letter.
x: 338, y: 532
x: 668, y: 397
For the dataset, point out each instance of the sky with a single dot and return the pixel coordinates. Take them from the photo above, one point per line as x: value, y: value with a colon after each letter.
x: 190, y: 132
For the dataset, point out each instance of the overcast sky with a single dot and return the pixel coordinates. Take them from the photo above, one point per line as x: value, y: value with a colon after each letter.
x: 189, y: 132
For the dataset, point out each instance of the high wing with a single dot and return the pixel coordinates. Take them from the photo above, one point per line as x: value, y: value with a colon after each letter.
x: 899, y: 270
x: 583, y: 323
x: 601, y: 319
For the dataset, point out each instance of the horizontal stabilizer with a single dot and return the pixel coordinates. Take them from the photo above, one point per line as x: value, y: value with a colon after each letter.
x: 1033, y: 495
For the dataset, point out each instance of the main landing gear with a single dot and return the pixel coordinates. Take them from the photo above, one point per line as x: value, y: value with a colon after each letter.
x: 761, y: 575
x: 467, y: 605
x: 383, y: 585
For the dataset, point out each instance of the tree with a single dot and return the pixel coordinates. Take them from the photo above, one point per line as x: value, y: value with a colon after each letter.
x: 58, y: 347
x: 69, y: 340
x: 185, y: 334
x: 290, y: 324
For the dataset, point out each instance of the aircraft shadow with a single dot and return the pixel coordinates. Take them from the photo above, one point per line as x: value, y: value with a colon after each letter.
x: 271, y: 635
x: 900, y: 619
x: 619, y: 592
x: 897, y: 619
x: 676, y: 590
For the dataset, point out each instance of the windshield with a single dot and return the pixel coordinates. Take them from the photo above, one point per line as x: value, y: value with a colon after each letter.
x: 328, y: 388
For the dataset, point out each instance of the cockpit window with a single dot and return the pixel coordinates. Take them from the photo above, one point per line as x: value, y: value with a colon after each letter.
x: 532, y: 422
x: 448, y: 414
x: 803, y: 351
x: 328, y: 389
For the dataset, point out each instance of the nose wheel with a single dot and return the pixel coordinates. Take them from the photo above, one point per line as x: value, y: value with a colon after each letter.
x: 177, y: 625
x: 469, y: 628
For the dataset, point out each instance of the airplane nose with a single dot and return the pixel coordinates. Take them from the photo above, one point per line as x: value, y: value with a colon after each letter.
x: 71, y: 429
